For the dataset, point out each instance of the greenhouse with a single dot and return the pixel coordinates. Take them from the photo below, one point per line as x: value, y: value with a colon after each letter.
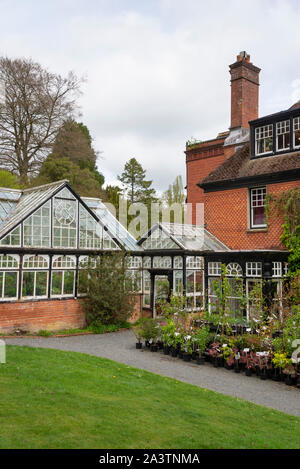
x: 48, y: 233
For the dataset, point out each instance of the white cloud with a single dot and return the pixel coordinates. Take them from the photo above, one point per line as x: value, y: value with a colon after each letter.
x: 157, y: 70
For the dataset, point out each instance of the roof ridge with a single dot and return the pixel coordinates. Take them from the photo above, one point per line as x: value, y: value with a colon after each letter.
x: 46, y: 185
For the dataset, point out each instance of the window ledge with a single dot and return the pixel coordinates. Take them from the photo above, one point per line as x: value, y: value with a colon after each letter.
x: 257, y: 230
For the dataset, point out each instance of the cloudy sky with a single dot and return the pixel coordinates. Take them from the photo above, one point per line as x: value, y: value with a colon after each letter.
x: 157, y: 70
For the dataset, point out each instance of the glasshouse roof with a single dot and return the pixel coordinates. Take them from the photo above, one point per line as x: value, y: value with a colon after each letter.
x: 179, y: 236
x: 24, y: 202
x: 113, y: 225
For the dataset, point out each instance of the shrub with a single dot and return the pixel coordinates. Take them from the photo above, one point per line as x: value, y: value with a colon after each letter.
x: 109, y: 298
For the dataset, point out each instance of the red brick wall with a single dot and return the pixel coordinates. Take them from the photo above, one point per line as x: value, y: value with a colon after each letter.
x: 227, y: 217
x: 200, y: 162
x: 53, y: 315
x: 36, y: 315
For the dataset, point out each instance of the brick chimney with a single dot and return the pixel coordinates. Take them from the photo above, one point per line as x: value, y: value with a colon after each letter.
x: 244, y: 91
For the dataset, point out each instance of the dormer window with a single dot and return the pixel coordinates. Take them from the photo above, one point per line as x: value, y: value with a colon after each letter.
x: 297, y: 132
x: 264, y: 140
x: 283, y: 135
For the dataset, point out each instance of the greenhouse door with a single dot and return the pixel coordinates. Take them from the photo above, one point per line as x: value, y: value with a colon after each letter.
x: 161, y: 292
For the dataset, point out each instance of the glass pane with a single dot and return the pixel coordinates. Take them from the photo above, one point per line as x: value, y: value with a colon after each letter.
x: 190, y: 282
x: 41, y: 284
x: 69, y: 282
x: 56, y: 283
x: 28, y: 284
x: 81, y: 282
x: 37, y: 228
x: 1, y: 283
x: 10, y: 287
x: 259, y: 217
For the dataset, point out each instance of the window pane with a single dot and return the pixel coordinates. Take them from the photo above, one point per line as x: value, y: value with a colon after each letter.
x: 28, y: 284
x: 190, y: 282
x: 37, y: 228
x: 1, y: 283
x: 56, y: 284
x: 69, y: 282
x: 259, y: 217
x: 41, y: 284
x: 10, y: 286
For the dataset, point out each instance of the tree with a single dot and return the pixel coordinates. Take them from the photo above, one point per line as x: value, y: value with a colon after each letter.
x: 175, y: 192
x: 33, y: 105
x: 82, y: 180
x: 137, y: 188
x: 8, y: 179
x: 73, y: 158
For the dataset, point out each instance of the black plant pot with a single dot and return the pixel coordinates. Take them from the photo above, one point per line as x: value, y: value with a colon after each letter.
x: 194, y: 355
x: 228, y: 367
x: 180, y: 354
x: 289, y: 381
x: 138, y: 345
x: 263, y: 374
x: 248, y: 372
x: 215, y: 362
x: 237, y: 368
x: 174, y: 353
x: 187, y: 357
x: 160, y: 345
x: 153, y: 348
x: 166, y: 350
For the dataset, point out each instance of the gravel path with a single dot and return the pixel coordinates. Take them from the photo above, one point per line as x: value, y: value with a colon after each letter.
x: 120, y: 346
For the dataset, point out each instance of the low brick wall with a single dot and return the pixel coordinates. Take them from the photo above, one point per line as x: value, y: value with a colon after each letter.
x: 33, y: 316
x: 51, y: 315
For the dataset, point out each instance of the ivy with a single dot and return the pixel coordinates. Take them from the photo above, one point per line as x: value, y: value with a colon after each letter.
x: 286, y: 204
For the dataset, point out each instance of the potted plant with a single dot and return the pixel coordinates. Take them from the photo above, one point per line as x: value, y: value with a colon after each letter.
x: 138, y: 332
x: 200, y: 341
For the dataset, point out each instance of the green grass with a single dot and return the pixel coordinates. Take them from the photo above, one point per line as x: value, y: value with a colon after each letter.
x: 54, y: 399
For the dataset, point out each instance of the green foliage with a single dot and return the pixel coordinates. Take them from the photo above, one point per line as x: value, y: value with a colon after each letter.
x: 8, y: 179
x: 98, y: 328
x: 44, y: 333
x: 109, y: 298
x: 286, y: 204
x: 201, y: 338
x: 148, y: 328
x: 73, y: 158
x: 137, y: 188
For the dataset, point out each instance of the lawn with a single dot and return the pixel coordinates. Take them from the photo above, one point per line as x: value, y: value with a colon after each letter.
x: 53, y: 399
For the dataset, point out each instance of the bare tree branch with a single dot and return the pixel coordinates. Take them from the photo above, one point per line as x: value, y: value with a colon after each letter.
x: 34, y: 103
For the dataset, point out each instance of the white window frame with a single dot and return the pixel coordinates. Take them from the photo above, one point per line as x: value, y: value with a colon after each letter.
x: 68, y: 264
x: 252, y: 190
x: 253, y: 269
x: 194, y: 294
x: 35, y: 272
x: 6, y: 259
x: 234, y: 270
x: 283, y: 128
x: 13, y: 298
x: 215, y: 269
x: 277, y: 269
x: 146, y: 290
x: 37, y: 259
x: 296, y: 127
x: 263, y: 133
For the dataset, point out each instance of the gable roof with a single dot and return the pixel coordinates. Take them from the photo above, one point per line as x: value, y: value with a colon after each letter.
x: 28, y: 201
x: 241, y: 166
x: 187, y: 237
x: 115, y: 228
